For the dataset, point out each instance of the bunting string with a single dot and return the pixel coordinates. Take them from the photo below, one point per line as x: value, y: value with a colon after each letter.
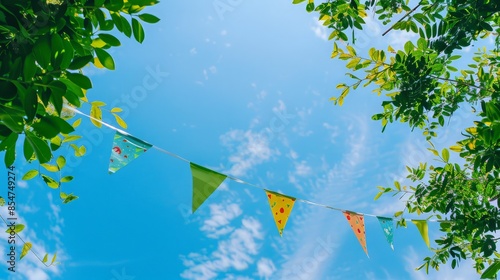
x: 205, y: 181
x: 238, y: 180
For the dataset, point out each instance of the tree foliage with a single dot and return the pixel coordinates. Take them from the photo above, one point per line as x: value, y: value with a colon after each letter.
x: 44, y: 47
x: 424, y: 88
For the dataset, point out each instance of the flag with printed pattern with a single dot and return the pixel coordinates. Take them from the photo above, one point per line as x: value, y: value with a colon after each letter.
x: 125, y: 149
x: 281, y: 207
x: 358, y: 227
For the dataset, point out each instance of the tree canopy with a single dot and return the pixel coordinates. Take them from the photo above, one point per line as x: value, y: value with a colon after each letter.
x: 424, y: 88
x: 44, y: 47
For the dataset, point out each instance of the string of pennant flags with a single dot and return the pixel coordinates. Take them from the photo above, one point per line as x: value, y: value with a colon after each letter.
x: 127, y: 148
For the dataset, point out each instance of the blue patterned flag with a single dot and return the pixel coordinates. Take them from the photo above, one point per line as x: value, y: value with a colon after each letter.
x: 388, y: 228
x: 125, y: 149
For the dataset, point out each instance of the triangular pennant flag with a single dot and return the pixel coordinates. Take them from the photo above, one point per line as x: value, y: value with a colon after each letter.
x: 423, y: 229
x: 281, y: 207
x: 125, y: 149
x: 358, y: 227
x: 388, y: 228
x: 205, y: 182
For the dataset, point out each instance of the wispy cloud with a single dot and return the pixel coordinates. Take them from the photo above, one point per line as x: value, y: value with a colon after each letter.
x: 320, y: 30
x: 234, y: 253
x: 265, y: 268
x: 220, y: 218
x: 310, y: 260
x: 247, y: 149
x: 30, y: 267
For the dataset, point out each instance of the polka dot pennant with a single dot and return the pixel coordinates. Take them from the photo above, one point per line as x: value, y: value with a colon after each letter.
x: 281, y: 207
x: 388, y: 228
x: 357, y: 222
x: 125, y: 149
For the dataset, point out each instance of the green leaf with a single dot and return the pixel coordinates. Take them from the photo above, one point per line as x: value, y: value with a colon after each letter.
x: 105, y: 59
x: 51, y: 126
x: 138, y: 30
x: 50, y: 182
x: 149, y: 18
x: 30, y: 103
x: 25, y: 250
x: 29, y: 67
x: 45, y: 258
x: 70, y: 198
x: 42, y: 51
x: 9, y: 144
x: 79, y: 62
x: 30, y: 175
x: 2, y: 201
x: 378, y: 195
x: 80, y: 80
x: 492, y: 271
x: 399, y: 213
x: 27, y: 150
x: 53, y: 259
x: 17, y: 228
x: 66, y: 179
x: 41, y: 148
x: 110, y: 39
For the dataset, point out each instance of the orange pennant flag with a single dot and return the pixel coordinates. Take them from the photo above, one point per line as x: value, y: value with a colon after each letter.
x: 281, y: 207
x: 358, y: 227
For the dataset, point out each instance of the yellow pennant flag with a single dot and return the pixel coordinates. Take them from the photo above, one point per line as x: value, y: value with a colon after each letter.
x: 423, y: 229
x: 281, y: 207
x: 358, y: 227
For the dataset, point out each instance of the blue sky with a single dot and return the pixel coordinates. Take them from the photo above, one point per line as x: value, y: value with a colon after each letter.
x: 243, y: 91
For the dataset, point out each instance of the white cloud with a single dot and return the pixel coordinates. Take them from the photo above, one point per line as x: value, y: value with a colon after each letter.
x: 337, y: 186
x: 334, y: 131
x: 265, y: 268
x: 193, y: 51
x: 248, y: 149
x: 320, y: 30
x: 302, y: 169
x: 235, y: 252
x: 397, y: 38
x: 220, y: 217
x: 31, y: 268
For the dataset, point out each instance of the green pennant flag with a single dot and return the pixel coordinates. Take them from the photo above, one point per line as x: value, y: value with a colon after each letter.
x: 205, y: 182
x: 423, y: 229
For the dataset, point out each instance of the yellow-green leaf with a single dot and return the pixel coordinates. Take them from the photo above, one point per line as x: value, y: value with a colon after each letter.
x: 17, y: 228
x: 26, y: 249
x: 96, y: 114
x: 378, y: 195
x: 53, y: 259
x: 98, y: 103
x: 456, y: 148
x: 30, y: 175
x: 66, y: 179
x: 77, y: 123
x: 61, y: 162
x: 82, y: 150
x: 50, y: 182
x: 50, y: 167
x: 45, y: 258
x: 446, y: 155
x: 120, y: 121
x: 71, y: 138
x: 116, y: 110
